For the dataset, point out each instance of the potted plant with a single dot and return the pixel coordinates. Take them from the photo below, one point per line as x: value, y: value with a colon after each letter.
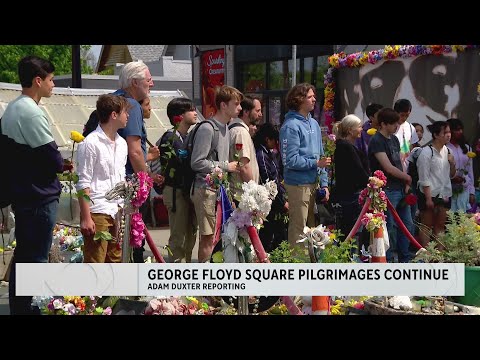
x: 460, y: 243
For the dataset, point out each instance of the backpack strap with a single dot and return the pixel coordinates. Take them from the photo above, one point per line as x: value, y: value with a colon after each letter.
x: 234, y: 125
x: 214, y: 143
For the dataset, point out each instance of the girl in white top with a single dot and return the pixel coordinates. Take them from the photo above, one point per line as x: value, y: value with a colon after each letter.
x: 435, y: 168
x: 463, y: 187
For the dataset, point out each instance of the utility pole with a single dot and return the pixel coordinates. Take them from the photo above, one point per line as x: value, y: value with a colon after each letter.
x: 76, y: 67
x: 294, y: 61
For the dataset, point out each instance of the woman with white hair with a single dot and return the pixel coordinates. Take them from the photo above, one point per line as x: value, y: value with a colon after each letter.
x: 351, y: 170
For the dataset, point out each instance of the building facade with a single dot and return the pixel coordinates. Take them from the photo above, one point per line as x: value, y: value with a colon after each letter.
x: 265, y: 71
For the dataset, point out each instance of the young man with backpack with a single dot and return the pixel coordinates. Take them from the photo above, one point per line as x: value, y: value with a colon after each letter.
x: 241, y: 145
x: 181, y: 216
x: 211, y: 145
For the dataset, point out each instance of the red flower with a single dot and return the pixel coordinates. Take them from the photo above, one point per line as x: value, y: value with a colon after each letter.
x: 411, y: 199
x: 177, y: 119
x: 238, y: 147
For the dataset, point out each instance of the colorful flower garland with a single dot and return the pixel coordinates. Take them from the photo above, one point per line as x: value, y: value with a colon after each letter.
x: 390, y: 52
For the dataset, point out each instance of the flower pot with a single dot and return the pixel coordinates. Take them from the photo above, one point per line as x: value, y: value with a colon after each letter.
x: 472, y: 287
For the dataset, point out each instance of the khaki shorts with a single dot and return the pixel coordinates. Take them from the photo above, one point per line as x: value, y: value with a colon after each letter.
x: 102, y: 251
x: 204, y: 201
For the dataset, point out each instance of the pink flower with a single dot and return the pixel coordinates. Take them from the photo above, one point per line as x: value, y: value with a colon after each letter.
x: 137, y: 230
x: 107, y: 311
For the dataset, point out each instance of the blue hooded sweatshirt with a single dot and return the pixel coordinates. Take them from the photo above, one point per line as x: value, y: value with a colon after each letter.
x: 301, y: 147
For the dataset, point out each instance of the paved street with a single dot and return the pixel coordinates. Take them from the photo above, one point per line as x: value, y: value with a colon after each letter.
x: 159, y: 236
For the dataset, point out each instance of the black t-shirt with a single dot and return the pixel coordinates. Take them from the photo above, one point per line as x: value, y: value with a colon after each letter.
x: 379, y: 143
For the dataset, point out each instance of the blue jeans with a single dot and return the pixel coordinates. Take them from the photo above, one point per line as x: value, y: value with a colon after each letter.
x: 405, y: 214
x: 34, y: 234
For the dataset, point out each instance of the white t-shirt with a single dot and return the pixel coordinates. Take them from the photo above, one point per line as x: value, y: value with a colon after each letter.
x: 407, y: 136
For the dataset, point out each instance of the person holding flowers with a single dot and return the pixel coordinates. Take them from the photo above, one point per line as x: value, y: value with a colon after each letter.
x: 181, y: 216
x: 211, y: 151
x: 241, y: 145
x: 384, y: 154
x: 303, y: 159
x: 101, y: 160
x: 463, y: 189
x: 35, y: 161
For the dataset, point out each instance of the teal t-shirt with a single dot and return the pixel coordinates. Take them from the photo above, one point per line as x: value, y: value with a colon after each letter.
x: 26, y: 123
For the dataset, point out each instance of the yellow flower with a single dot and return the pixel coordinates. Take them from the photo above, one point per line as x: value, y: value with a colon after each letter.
x: 76, y: 136
x: 471, y: 154
x: 218, y: 257
x: 371, y: 131
x: 331, y: 236
x: 478, y: 227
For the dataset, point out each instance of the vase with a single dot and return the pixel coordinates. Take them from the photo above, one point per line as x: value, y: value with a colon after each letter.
x: 472, y: 287
x: 68, y: 208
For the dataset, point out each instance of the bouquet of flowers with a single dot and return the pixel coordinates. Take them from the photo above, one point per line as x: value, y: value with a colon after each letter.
x: 373, y: 220
x: 254, y: 206
x: 217, y: 178
x: 71, y: 305
x: 172, y: 305
x: 135, y: 191
x: 329, y: 144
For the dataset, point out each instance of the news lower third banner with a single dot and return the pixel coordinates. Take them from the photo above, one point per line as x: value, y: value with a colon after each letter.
x: 240, y: 279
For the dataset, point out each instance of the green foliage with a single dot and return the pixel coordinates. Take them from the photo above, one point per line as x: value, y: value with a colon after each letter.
x: 103, y: 235
x: 108, y: 71
x: 461, y: 242
x: 59, y: 55
x: 68, y: 176
x: 285, y: 253
x: 339, y: 252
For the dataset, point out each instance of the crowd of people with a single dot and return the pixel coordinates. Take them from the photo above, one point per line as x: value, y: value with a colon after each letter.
x: 234, y: 141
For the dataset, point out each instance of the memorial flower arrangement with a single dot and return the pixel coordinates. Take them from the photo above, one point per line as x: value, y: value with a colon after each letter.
x: 173, y: 305
x: 375, y: 193
x: 135, y: 190
x: 138, y: 186
x: 252, y: 210
x: 71, y: 305
x: 358, y: 59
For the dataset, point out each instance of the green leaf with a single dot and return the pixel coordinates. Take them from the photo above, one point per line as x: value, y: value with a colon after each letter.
x: 102, y: 235
x: 75, y: 178
x: 171, y: 173
x: 82, y: 194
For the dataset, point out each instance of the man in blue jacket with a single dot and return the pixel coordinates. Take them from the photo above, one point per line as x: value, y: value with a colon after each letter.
x: 302, y: 158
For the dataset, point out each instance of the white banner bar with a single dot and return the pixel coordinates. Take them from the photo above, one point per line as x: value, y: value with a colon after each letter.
x: 241, y: 279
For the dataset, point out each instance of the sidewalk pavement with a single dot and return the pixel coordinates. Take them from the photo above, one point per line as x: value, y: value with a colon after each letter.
x: 160, y: 238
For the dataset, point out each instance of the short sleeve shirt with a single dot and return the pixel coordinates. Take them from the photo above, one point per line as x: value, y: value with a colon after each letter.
x: 391, y: 147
